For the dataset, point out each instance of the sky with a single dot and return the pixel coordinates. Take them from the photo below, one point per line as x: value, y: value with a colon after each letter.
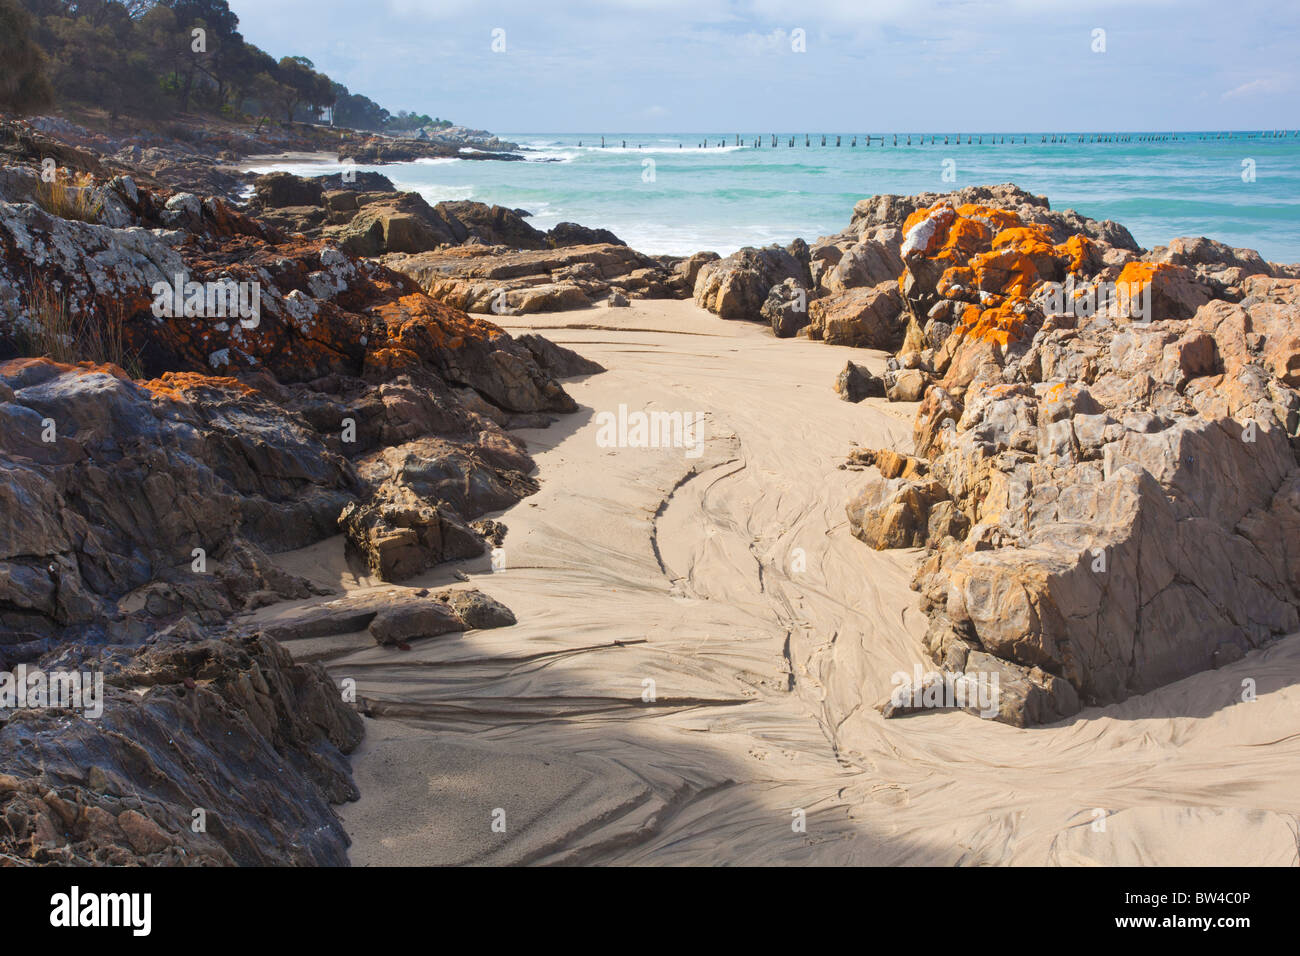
x: 727, y: 66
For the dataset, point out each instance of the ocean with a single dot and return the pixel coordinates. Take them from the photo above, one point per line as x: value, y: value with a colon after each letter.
x: 664, y: 193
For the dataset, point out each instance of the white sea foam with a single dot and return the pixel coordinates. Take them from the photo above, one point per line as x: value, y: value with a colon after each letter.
x: 438, y: 193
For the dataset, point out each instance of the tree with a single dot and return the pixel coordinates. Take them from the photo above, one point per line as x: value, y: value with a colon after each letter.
x: 220, y: 30
x: 24, y: 88
x: 356, y: 111
x: 97, y: 64
x: 301, y: 85
x: 252, y: 78
x: 405, y: 121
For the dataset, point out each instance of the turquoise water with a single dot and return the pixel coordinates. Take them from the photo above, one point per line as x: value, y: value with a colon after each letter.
x: 721, y: 198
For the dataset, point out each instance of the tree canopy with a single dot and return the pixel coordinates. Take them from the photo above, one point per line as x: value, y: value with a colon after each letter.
x: 152, y: 58
x: 23, y: 84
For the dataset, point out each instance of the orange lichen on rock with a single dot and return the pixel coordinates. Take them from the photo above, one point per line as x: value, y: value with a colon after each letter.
x: 1002, y: 324
x: 926, y: 230
x: 1135, y: 275
x: 956, y: 281
x: 177, y: 385
x: 390, y: 360
x: 1075, y: 250
x: 997, y: 220
x: 419, y: 315
x: 916, y: 218
x: 14, y: 366
x: 954, y: 235
x: 1031, y: 240
x: 1007, y: 272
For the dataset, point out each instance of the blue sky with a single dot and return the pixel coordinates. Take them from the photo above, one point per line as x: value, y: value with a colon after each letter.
x: 723, y: 66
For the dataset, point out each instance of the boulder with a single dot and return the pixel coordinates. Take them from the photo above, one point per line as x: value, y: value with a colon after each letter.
x: 786, y: 308
x: 894, y: 512
x: 856, y: 383
x: 276, y: 190
x: 906, y: 385
x: 737, y: 287
x: 499, y: 226
x: 572, y: 234
x: 866, y: 264
x: 412, y: 621
x: 865, y: 318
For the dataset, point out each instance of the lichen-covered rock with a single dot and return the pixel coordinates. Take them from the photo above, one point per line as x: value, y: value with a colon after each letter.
x: 1062, y: 441
x: 132, y: 508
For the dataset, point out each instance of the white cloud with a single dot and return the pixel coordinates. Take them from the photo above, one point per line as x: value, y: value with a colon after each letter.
x: 1271, y: 84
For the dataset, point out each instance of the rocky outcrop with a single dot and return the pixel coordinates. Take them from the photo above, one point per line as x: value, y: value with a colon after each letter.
x: 378, y: 150
x: 868, y: 318
x: 786, y: 308
x: 737, y: 287
x: 393, y: 615
x: 496, y: 280
x: 572, y: 234
x: 283, y: 390
x: 208, y: 751
x: 1109, y: 500
x: 497, y: 225
x: 277, y: 190
x: 366, y: 216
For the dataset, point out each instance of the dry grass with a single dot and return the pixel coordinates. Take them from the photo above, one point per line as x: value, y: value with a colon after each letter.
x: 71, y: 198
x: 55, y: 333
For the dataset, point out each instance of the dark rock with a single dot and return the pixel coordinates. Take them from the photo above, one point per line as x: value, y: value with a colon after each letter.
x: 276, y: 190
x: 856, y: 383
x: 572, y: 234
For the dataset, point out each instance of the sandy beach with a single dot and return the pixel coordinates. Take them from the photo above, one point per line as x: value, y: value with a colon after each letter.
x: 634, y: 565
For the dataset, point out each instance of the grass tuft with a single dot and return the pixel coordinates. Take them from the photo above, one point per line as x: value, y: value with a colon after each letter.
x: 53, y: 331
x: 71, y: 198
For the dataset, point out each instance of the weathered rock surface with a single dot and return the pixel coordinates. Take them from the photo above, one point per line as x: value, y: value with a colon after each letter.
x: 227, y: 732
x: 737, y: 287
x: 868, y: 318
x: 137, y: 515
x: 856, y: 383
x: 470, y: 609
x: 1108, y: 504
x: 786, y: 308
x: 496, y: 280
